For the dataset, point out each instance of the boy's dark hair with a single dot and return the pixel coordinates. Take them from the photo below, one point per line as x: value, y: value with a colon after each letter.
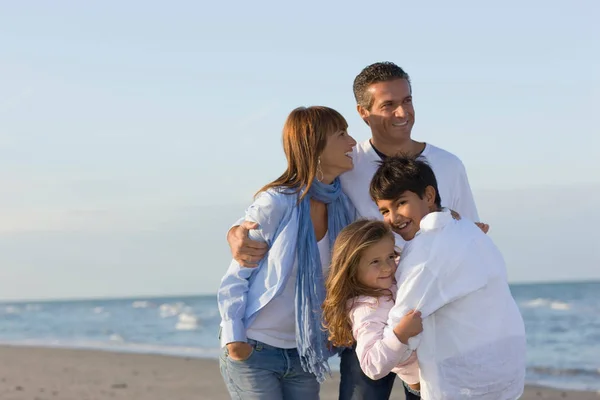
x: 374, y: 73
x: 402, y: 173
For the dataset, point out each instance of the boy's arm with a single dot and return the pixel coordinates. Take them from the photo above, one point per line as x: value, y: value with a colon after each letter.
x: 377, y: 355
x: 416, y: 291
x: 430, y: 279
x: 267, y: 210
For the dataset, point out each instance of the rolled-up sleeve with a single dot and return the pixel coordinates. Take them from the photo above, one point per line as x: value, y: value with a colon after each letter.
x: 267, y: 210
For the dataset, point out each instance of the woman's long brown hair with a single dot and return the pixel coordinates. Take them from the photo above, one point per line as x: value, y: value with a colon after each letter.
x: 304, y: 137
x: 342, y: 285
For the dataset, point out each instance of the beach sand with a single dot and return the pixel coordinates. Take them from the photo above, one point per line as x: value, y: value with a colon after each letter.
x: 28, y: 373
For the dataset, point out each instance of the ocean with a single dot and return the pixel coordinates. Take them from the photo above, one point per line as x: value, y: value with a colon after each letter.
x: 562, y: 322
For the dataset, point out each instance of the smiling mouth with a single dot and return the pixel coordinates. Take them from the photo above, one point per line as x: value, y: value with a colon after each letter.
x: 349, y: 155
x: 402, y: 225
x: 401, y: 123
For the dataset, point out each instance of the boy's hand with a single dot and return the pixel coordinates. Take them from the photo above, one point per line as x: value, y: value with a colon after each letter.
x: 484, y: 227
x: 245, y: 251
x: 410, y: 325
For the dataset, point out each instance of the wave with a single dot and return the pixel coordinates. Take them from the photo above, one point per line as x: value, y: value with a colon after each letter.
x: 187, y: 322
x: 541, y: 302
x: 168, y: 310
x: 141, y: 304
x: 12, y: 310
x: 117, y: 346
x: 564, y: 371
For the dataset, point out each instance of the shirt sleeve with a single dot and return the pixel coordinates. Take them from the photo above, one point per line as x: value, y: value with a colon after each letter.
x: 463, y: 202
x: 419, y: 290
x: 377, y: 355
x: 408, y: 371
x: 267, y: 210
x: 236, y: 223
x: 429, y: 280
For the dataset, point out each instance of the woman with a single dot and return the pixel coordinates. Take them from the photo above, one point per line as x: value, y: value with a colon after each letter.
x: 273, y: 343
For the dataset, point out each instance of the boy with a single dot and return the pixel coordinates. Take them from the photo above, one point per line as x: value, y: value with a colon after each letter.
x: 473, y: 339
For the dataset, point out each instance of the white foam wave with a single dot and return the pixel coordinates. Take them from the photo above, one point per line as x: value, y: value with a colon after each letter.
x: 12, y: 310
x: 559, y: 305
x: 541, y: 302
x: 98, y: 310
x: 138, y: 348
x: 536, y: 303
x: 187, y: 322
x: 140, y: 304
x: 116, y: 338
x: 171, y: 310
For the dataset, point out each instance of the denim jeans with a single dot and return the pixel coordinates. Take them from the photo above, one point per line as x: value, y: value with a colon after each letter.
x: 269, y: 373
x: 355, y: 385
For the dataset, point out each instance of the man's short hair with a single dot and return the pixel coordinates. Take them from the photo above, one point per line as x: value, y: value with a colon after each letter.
x: 402, y: 173
x: 374, y: 73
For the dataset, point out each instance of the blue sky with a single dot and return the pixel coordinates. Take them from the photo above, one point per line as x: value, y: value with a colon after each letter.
x: 124, y: 120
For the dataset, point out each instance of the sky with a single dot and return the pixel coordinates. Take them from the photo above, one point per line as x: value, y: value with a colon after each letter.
x: 132, y: 134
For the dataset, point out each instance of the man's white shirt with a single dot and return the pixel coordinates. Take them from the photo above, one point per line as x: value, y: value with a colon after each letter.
x: 449, y: 171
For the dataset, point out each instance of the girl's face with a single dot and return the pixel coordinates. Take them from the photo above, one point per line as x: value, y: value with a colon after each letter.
x: 377, y: 265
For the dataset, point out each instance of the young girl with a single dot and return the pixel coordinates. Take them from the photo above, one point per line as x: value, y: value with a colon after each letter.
x: 360, y: 293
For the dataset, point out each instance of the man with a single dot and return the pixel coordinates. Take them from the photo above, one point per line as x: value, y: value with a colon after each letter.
x: 383, y: 95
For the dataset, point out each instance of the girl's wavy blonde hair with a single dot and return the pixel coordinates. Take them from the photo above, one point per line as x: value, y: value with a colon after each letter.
x: 342, y: 285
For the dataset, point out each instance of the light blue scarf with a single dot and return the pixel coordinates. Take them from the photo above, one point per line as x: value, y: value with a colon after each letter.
x: 310, y: 284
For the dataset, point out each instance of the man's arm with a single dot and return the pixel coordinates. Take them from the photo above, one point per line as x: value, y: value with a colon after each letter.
x: 463, y: 201
x: 245, y: 251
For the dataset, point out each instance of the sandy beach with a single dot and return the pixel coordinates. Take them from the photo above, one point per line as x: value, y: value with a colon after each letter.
x: 45, y: 373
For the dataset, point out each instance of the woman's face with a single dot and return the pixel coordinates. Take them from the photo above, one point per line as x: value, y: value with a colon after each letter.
x: 336, y: 157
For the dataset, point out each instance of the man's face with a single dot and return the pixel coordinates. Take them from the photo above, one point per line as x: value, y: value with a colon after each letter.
x: 405, y: 213
x: 392, y: 115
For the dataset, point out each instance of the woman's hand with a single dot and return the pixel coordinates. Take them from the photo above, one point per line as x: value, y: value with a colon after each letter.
x: 239, y: 351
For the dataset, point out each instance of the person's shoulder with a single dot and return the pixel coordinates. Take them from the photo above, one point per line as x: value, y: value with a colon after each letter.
x: 278, y: 194
x: 417, y: 250
x: 437, y: 155
x: 275, y: 199
x: 362, y: 307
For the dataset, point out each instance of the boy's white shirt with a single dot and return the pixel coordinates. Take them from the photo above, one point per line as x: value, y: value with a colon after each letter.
x: 473, y: 339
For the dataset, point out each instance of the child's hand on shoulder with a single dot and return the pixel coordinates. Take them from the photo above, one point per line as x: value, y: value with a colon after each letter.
x: 410, y: 325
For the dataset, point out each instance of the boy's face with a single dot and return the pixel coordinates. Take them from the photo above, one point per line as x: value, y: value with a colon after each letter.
x: 405, y: 213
